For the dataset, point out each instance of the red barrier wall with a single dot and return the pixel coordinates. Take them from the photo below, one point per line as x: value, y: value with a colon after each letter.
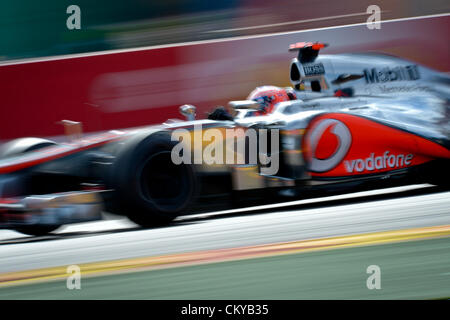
x: 145, y: 86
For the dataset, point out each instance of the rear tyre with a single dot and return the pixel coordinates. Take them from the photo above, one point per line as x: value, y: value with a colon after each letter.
x: 149, y: 188
x: 436, y: 172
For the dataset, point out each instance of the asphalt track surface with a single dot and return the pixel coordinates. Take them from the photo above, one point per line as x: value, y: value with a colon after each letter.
x: 364, y: 212
x: 407, y: 270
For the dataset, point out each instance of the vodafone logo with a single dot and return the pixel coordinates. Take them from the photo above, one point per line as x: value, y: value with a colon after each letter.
x: 386, y: 161
x: 329, y: 141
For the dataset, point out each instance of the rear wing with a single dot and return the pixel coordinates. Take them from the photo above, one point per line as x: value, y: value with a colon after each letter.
x: 307, y: 51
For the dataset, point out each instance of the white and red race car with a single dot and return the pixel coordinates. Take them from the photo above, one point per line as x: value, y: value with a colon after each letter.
x: 357, y: 119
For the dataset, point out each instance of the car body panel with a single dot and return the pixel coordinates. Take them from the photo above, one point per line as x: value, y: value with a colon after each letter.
x: 357, y: 117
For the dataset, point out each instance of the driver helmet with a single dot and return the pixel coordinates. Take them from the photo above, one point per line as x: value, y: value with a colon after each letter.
x: 269, y: 96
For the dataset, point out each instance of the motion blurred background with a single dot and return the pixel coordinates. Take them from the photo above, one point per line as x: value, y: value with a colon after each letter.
x: 32, y: 29
x: 133, y: 63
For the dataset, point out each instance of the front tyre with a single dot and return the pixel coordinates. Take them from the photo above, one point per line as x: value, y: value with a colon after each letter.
x: 149, y: 188
x: 37, y: 230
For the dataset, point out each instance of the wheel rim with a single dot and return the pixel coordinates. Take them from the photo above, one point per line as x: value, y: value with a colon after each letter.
x: 164, y: 184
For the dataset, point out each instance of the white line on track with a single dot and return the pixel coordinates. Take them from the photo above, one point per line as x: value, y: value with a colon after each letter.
x: 287, y: 23
x: 93, y: 242
x: 117, y: 222
x: 313, y: 200
x: 99, y: 53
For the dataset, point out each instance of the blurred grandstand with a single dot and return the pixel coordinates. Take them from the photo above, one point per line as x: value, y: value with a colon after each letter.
x: 36, y: 29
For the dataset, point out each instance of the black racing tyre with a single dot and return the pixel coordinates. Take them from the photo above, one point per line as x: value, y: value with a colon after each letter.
x: 440, y: 180
x: 37, y: 230
x: 148, y: 187
x: 440, y: 175
x: 23, y: 145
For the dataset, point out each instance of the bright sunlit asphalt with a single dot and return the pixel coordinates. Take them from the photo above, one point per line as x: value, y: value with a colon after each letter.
x: 118, y: 238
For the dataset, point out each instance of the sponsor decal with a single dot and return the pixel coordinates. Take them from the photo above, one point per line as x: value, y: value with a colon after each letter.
x: 386, y: 89
x: 385, y: 161
x: 340, y: 144
x: 407, y: 73
x: 329, y: 140
x: 314, y: 69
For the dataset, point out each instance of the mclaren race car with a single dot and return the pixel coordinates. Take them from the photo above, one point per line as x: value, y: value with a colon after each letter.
x: 356, y: 119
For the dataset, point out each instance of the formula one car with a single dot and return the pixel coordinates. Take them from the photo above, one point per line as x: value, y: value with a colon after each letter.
x: 357, y: 119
